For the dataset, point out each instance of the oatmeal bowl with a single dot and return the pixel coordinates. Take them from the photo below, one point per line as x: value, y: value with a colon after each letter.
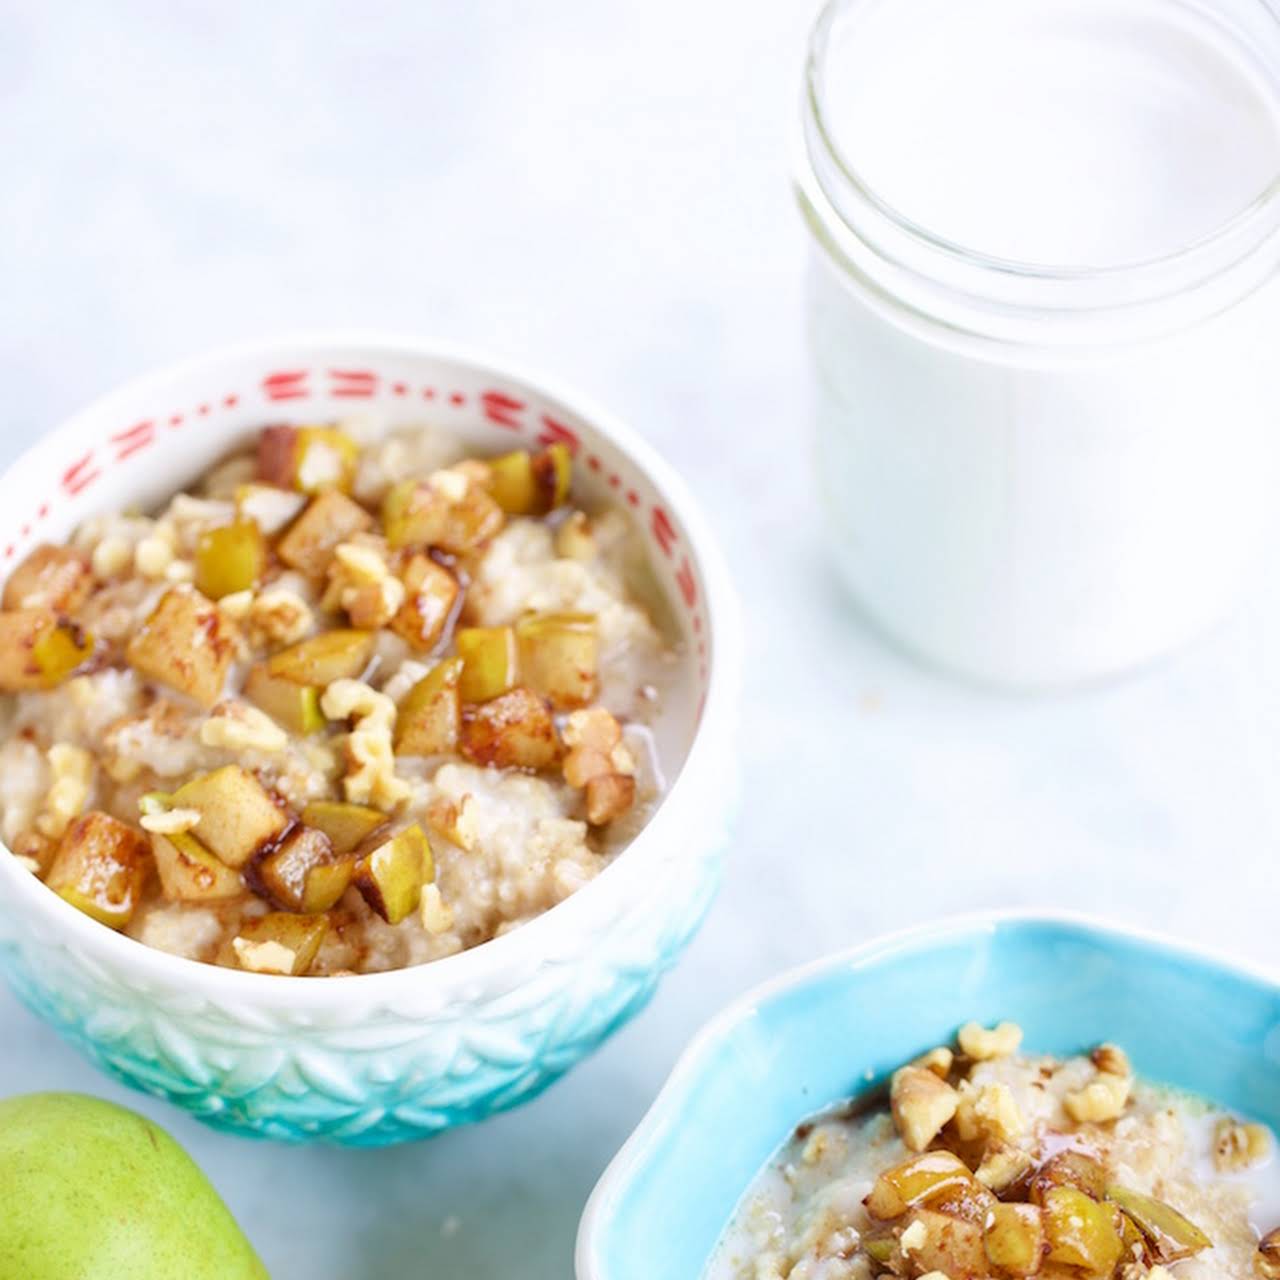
x: 985, y: 1098
x: 366, y: 734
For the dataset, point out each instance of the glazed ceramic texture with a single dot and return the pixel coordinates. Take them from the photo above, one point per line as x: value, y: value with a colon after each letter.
x: 376, y: 1059
x: 830, y: 1030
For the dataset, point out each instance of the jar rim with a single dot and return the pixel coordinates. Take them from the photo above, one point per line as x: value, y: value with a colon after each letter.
x: 862, y: 225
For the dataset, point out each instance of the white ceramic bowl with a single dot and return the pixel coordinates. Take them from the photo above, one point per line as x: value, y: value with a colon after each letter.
x: 380, y: 1058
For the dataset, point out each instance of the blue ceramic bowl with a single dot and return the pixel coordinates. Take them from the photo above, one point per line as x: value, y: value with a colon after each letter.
x: 826, y: 1031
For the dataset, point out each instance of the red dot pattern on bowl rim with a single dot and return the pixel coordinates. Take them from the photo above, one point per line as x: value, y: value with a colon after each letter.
x: 501, y: 408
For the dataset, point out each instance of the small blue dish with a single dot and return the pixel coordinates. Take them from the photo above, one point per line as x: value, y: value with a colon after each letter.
x: 828, y: 1030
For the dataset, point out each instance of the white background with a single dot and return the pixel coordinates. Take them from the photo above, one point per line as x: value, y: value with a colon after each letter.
x: 599, y: 188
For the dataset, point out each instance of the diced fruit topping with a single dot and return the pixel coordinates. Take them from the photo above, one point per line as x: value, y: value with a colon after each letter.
x: 347, y: 825
x: 514, y: 730
x: 295, y: 706
x: 100, y: 868
x: 309, y: 459
x: 1081, y: 1232
x: 230, y: 558
x: 190, y: 873
x: 310, y: 541
x: 488, y: 662
x: 1014, y: 1239
x: 558, y: 657
x: 187, y: 644
x: 39, y: 649
x: 1170, y: 1236
x: 303, y: 872
x: 915, y: 1181
x: 238, y: 815
x: 429, y: 718
x: 390, y: 876
x: 1267, y: 1259
x: 56, y: 578
x: 524, y: 484
x: 280, y: 943
x: 431, y: 598
x: 319, y: 661
x: 1069, y: 1169
x: 446, y: 510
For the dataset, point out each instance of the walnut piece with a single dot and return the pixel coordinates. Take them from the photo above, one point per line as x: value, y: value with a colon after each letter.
x: 921, y: 1105
x: 982, y: 1045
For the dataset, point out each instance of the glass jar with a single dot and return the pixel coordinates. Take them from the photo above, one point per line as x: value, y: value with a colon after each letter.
x: 1042, y: 307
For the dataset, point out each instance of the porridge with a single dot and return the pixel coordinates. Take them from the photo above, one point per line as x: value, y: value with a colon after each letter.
x: 347, y: 705
x: 984, y: 1162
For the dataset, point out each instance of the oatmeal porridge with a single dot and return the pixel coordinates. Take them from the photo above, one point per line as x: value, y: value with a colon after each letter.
x: 981, y: 1161
x: 346, y: 705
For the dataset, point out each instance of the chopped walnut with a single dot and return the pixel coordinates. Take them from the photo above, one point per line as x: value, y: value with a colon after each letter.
x: 1002, y: 1165
x: 921, y: 1105
x: 987, y: 1112
x: 937, y: 1060
x: 279, y: 617
x: 584, y: 763
x: 72, y: 771
x: 609, y: 796
x: 111, y: 557
x: 574, y: 538
x: 435, y: 914
x: 1102, y: 1099
x: 981, y: 1045
x: 361, y: 583
x: 594, y: 727
x: 1111, y: 1060
x: 169, y: 822
x: 152, y: 557
x: 237, y: 726
x: 264, y: 957
x: 371, y: 764
x: 457, y: 822
x: 1239, y: 1146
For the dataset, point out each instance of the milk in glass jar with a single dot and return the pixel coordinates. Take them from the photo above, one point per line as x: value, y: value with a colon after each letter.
x: 1043, y: 313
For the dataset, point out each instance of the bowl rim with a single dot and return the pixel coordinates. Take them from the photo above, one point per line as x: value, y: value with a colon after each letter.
x: 536, y: 936
x: 631, y: 1156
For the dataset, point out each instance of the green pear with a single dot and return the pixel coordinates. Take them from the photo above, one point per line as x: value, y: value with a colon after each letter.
x: 92, y: 1191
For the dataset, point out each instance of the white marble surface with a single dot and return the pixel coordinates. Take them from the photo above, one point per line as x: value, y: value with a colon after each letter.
x: 600, y: 189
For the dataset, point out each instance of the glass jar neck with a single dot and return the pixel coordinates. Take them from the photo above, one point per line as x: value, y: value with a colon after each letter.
x: 940, y: 287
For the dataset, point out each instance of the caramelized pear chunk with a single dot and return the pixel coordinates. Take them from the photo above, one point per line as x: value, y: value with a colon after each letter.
x: 420, y: 513
x: 488, y: 662
x: 1014, y: 1239
x: 430, y: 716
x: 915, y: 1181
x: 512, y: 483
x: 951, y: 1245
x: 100, y: 868
x: 319, y: 661
x: 553, y: 475
x: 190, y: 873
x: 347, y: 825
x: 238, y: 815
x: 1081, y: 1232
x: 523, y: 483
x: 512, y: 731
x: 230, y: 558
x: 280, y: 943
x: 1171, y: 1237
x: 559, y: 657
x: 50, y: 577
x: 391, y: 876
x: 309, y: 459
x: 39, y: 649
x: 309, y: 542
x: 303, y: 872
x: 608, y: 796
x: 1069, y: 1169
x: 1266, y: 1261
x: 431, y: 597
x: 188, y: 644
x: 295, y: 706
